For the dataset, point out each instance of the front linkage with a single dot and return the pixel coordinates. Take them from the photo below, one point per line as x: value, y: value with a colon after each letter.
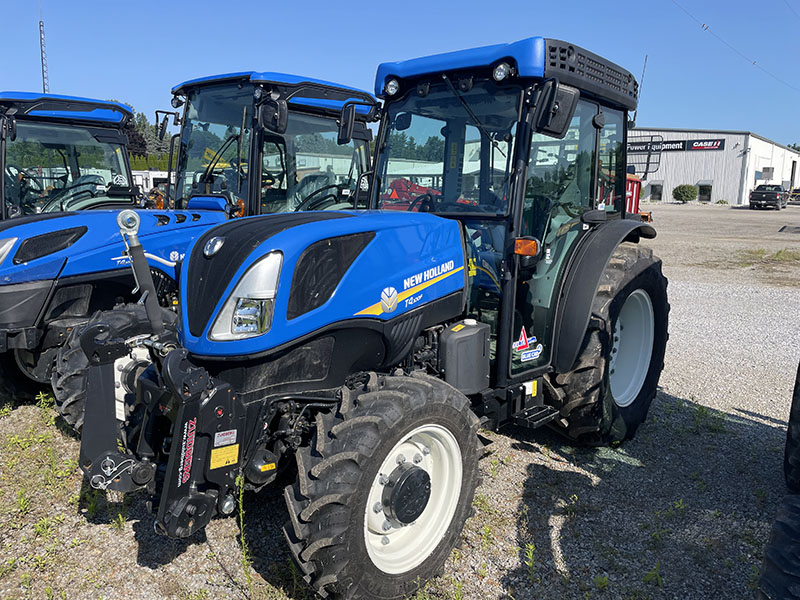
x: 183, y: 437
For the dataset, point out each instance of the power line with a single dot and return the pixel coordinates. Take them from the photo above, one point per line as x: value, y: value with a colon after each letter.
x: 753, y: 62
x: 791, y: 8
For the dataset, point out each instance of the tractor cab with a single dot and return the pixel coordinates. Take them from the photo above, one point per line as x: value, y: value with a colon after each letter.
x: 523, y: 143
x: 61, y: 153
x: 270, y: 143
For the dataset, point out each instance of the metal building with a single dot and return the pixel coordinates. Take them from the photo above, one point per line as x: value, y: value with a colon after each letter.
x: 724, y: 165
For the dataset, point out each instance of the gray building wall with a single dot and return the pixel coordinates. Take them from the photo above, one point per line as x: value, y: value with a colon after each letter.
x: 732, y: 171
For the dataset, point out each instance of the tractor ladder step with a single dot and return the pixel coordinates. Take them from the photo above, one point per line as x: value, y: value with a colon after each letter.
x: 535, y: 416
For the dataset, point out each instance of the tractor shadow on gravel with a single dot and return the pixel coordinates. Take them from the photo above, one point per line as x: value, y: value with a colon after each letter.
x: 683, y: 510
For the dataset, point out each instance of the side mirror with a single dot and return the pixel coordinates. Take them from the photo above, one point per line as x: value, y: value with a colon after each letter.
x: 555, y: 107
x: 347, y: 122
x: 162, y: 129
x: 273, y: 115
x: 402, y: 121
x: 10, y: 124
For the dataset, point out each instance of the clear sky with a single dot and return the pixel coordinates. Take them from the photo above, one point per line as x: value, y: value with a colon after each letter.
x: 136, y: 51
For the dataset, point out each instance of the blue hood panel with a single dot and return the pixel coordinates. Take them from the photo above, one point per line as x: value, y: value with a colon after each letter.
x: 101, y: 247
x: 412, y: 259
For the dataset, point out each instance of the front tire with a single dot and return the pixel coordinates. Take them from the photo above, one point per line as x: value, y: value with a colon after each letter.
x: 71, y: 366
x: 791, y: 454
x: 384, y: 489
x: 607, y: 394
x: 14, y: 383
x: 780, y: 571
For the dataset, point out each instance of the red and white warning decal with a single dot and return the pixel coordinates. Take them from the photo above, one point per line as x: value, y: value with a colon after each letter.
x: 224, y: 438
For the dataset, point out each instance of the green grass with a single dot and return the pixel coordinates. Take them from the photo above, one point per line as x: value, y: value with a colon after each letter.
x: 760, y: 256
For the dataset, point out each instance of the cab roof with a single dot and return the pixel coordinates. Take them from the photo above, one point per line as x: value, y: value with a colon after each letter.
x: 537, y: 57
x: 345, y: 92
x: 66, y: 108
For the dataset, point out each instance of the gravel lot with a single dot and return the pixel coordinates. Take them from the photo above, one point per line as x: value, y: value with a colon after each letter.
x: 682, y: 511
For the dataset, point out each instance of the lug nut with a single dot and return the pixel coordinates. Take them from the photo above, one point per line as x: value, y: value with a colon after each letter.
x: 426, y: 450
x: 383, y: 479
x: 385, y: 540
x: 387, y: 526
x: 378, y: 507
x: 401, y: 459
x: 417, y: 459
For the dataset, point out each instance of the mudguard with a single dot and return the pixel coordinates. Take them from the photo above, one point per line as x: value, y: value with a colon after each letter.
x: 388, y: 264
x: 581, y: 281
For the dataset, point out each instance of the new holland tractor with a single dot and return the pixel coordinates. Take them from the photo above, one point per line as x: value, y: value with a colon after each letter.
x: 60, y: 155
x: 497, y: 281
x: 65, y: 176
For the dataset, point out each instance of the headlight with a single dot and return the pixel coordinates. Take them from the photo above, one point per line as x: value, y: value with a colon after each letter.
x: 392, y: 87
x: 501, y: 71
x: 248, y: 311
x: 5, y: 248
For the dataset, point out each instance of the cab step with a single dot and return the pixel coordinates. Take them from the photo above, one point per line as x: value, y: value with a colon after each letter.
x: 535, y: 416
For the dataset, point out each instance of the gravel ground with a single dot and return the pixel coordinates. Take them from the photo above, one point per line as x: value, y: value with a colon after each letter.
x: 682, y: 511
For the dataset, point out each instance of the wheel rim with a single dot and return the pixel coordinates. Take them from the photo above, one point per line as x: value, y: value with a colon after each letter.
x: 632, y: 348
x: 397, y: 548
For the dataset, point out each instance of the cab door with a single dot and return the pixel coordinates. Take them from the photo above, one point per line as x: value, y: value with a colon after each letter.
x: 565, y: 178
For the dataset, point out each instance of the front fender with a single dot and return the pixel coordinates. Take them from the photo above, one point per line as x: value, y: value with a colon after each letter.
x: 581, y: 282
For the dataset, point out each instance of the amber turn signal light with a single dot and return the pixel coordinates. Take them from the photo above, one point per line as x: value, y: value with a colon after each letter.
x: 526, y: 246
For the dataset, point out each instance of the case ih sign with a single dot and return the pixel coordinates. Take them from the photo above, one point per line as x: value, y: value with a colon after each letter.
x: 676, y: 146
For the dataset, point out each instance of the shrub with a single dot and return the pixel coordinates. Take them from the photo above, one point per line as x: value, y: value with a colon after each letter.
x: 721, y: 202
x: 685, y: 193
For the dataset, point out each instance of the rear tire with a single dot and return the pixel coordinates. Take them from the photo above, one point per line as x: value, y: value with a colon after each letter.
x: 607, y: 394
x: 338, y: 507
x: 71, y: 365
x: 780, y: 571
x: 791, y: 454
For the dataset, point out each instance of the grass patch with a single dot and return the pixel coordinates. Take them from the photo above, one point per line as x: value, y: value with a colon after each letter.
x: 761, y: 257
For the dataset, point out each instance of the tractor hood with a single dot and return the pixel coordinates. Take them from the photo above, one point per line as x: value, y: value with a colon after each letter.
x: 41, y: 247
x: 255, y: 285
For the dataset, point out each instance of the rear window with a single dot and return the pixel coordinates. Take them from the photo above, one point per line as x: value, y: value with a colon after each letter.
x: 769, y: 188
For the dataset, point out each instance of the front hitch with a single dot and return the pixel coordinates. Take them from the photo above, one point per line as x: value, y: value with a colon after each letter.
x: 105, y: 465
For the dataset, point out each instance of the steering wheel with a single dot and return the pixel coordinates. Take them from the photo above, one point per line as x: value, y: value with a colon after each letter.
x: 71, y: 193
x: 427, y: 197
x: 311, y: 203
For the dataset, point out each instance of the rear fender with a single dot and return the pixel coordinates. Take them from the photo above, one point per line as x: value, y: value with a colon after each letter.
x: 581, y: 282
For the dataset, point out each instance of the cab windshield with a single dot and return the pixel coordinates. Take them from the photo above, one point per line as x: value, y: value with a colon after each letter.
x: 302, y: 169
x: 448, y: 148
x: 215, y: 142
x: 53, y: 167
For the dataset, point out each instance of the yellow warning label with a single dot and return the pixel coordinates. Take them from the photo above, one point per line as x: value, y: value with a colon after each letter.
x: 458, y: 327
x: 533, y: 388
x: 268, y: 467
x: 225, y: 456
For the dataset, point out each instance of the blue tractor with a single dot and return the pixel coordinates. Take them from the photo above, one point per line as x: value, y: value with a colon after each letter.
x: 65, y: 176
x: 496, y: 281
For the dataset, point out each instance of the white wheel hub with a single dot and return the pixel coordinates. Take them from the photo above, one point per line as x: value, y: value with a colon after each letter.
x: 395, y: 547
x: 633, y: 335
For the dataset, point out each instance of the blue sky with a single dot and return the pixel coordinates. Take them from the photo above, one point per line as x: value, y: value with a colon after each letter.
x: 137, y: 51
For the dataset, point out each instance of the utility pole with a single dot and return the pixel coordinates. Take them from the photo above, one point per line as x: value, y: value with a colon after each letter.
x: 45, y: 75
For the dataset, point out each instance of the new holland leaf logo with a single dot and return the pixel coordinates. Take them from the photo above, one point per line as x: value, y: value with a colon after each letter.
x: 389, y: 299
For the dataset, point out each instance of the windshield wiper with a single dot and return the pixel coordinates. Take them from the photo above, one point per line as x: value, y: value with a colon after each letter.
x: 473, y: 116
x: 218, y: 157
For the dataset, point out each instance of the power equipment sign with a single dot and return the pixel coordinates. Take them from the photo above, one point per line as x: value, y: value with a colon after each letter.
x: 676, y: 146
